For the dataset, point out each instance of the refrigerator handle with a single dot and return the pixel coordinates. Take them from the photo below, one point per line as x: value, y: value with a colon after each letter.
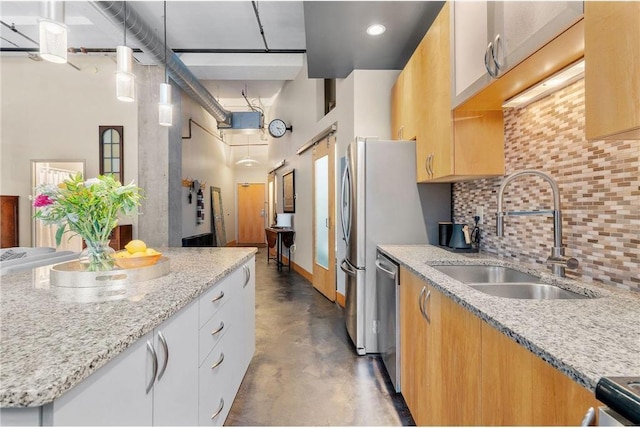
x: 347, y: 268
x: 345, y: 227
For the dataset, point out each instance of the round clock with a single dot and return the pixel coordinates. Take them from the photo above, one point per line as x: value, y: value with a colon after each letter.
x: 277, y: 128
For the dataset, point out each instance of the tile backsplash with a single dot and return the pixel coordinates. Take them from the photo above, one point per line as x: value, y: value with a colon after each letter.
x: 599, y: 193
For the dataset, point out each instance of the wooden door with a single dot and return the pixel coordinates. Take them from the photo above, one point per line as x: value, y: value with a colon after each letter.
x: 324, y: 246
x: 251, y: 214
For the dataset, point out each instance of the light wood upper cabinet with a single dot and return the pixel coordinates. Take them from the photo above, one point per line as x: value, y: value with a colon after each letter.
x: 405, y: 96
x: 448, y: 143
x: 612, y: 61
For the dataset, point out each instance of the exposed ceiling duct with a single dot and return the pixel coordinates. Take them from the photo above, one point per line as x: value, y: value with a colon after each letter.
x: 152, y: 45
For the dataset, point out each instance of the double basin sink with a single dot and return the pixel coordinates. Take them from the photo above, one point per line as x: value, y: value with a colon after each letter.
x: 503, y: 281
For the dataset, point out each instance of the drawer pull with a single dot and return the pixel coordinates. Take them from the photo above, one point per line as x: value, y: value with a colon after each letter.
x: 155, y: 366
x: 219, y: 409
x: 218, y: 297
x: 219, y: 329
x: 217, y: 363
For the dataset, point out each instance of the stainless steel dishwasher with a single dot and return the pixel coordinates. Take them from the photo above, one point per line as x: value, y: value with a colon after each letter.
x: 388, y: 299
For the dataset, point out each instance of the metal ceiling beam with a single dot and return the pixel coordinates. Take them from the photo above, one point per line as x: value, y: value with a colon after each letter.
x: 153, y: 46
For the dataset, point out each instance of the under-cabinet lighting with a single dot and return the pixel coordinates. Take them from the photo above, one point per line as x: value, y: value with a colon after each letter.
x: 376, y: 29
x: 553, y: 83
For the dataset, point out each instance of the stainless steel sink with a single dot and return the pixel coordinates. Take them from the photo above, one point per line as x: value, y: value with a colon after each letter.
x: 502, y: 281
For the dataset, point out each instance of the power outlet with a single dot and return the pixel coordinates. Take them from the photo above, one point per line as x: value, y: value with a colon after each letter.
x: 480, y: 213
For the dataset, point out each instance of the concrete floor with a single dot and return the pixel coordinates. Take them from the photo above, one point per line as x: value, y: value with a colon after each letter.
x: 305, y: 370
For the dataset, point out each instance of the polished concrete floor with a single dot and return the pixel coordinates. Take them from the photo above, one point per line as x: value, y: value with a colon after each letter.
x: 305, y: 371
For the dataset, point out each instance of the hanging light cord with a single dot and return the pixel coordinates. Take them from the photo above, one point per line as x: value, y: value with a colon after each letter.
x: 125, y: 23
x: 166, y: 79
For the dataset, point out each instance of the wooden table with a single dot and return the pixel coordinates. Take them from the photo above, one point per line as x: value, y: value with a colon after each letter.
x: 276, y: 237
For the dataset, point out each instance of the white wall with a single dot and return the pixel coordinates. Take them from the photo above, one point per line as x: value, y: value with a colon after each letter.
x: 362, y: 109
x: 52, y: 111
x: 208, y: 160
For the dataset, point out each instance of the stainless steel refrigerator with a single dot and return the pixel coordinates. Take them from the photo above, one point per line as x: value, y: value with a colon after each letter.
x: 382, y: 204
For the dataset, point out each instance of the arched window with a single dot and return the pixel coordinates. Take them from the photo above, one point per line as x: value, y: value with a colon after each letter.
x: 111, y: 151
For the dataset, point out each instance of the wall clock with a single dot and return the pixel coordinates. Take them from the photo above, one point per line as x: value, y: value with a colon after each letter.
x: 277, y: 128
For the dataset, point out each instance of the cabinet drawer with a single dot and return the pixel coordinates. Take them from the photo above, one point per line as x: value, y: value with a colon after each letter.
x: 215, y: 298
x: 228, y: 318
x: 219, y: 380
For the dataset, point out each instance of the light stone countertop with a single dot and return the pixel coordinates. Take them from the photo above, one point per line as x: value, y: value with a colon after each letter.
x: 586, y: 338
x: 49, y: 343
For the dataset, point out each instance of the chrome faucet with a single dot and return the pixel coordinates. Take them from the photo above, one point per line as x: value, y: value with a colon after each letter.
x: 557, y: 261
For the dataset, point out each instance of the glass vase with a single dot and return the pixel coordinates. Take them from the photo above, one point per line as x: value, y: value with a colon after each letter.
x: 97, y: 256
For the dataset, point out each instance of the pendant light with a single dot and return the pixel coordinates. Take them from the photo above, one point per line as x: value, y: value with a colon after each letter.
x: 165, y: 109
x: 247, y: 160
x: 125, y: 79
x: 53, y: 33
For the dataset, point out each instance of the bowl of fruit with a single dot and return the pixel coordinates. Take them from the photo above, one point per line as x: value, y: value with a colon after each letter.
x: 136, y: 255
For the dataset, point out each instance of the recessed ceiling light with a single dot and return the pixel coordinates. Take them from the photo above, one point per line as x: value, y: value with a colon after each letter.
x: 376, y: 29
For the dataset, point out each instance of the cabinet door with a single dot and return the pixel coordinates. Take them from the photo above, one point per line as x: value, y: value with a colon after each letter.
x: 525, y: 26
x: 114, y: 395
x: 470, y: 35
x: 397, y: 106
x: 519, y: 388
x: 457, y: 372
x: 175, y: 393
x: 249, y: 314
x: 612, y: 61
x: 412, y: 343
x: 436, y: 133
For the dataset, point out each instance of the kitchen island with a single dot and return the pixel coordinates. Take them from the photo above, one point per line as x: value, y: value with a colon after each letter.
x: 50, y: 345
x: 586, y: 339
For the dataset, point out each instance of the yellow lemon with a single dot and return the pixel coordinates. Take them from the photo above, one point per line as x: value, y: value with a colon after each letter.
x: 139, y: 254
x: 136, y: 246
x: 151, y: 252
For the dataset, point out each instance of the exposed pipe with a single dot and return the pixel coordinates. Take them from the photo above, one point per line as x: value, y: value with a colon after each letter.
x: 153, y: 46
x: 264, y: 39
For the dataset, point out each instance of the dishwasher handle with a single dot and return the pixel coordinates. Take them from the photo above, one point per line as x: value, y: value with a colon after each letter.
x: 387, y: 270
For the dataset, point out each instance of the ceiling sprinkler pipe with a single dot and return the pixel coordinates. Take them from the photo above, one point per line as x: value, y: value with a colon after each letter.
x: 144, y: 36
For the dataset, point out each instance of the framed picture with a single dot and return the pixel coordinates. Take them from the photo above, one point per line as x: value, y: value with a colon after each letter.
x: 289, y: 192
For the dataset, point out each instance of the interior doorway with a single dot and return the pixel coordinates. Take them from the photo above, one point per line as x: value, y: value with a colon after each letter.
x: 53, y: 172
x: 251, y: 214
x: 324, y: 247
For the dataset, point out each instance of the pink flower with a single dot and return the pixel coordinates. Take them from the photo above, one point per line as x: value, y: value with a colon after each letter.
x: 42, y: 201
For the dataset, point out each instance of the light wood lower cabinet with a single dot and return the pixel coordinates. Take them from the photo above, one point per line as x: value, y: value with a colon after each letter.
x: 519, y: 388
x: 458, y: 370
x: 440, y: 353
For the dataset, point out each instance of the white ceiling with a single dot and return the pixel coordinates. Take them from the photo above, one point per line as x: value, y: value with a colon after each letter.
x: 221, y: 44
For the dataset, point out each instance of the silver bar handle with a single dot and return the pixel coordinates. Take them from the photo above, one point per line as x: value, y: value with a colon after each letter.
x: 155, y: 366
x: 424, y: 289
x: 217, y: 363
x: 219, y: 409
x: 218, y: 297
x: 346, y: 228
x: 497, y: 54
x: 431, y: 164
x: 389, y: 272
x: 218, y: 330
x: 346, y: 268
x: 488, y: 56
x: 247, y: 275
x: 588, y: 417
x: 426, y: 164
x: 424, y: 312
x: 165, y: 348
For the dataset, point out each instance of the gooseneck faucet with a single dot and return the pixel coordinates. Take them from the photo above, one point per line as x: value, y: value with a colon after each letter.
x: 557, y: 260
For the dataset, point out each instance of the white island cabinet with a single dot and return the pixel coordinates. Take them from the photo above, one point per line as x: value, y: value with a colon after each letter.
x: 185, y: 371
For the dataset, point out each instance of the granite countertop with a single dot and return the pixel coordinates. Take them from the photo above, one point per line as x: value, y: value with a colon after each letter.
x: 49, y: 342
x: 586, y: 338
